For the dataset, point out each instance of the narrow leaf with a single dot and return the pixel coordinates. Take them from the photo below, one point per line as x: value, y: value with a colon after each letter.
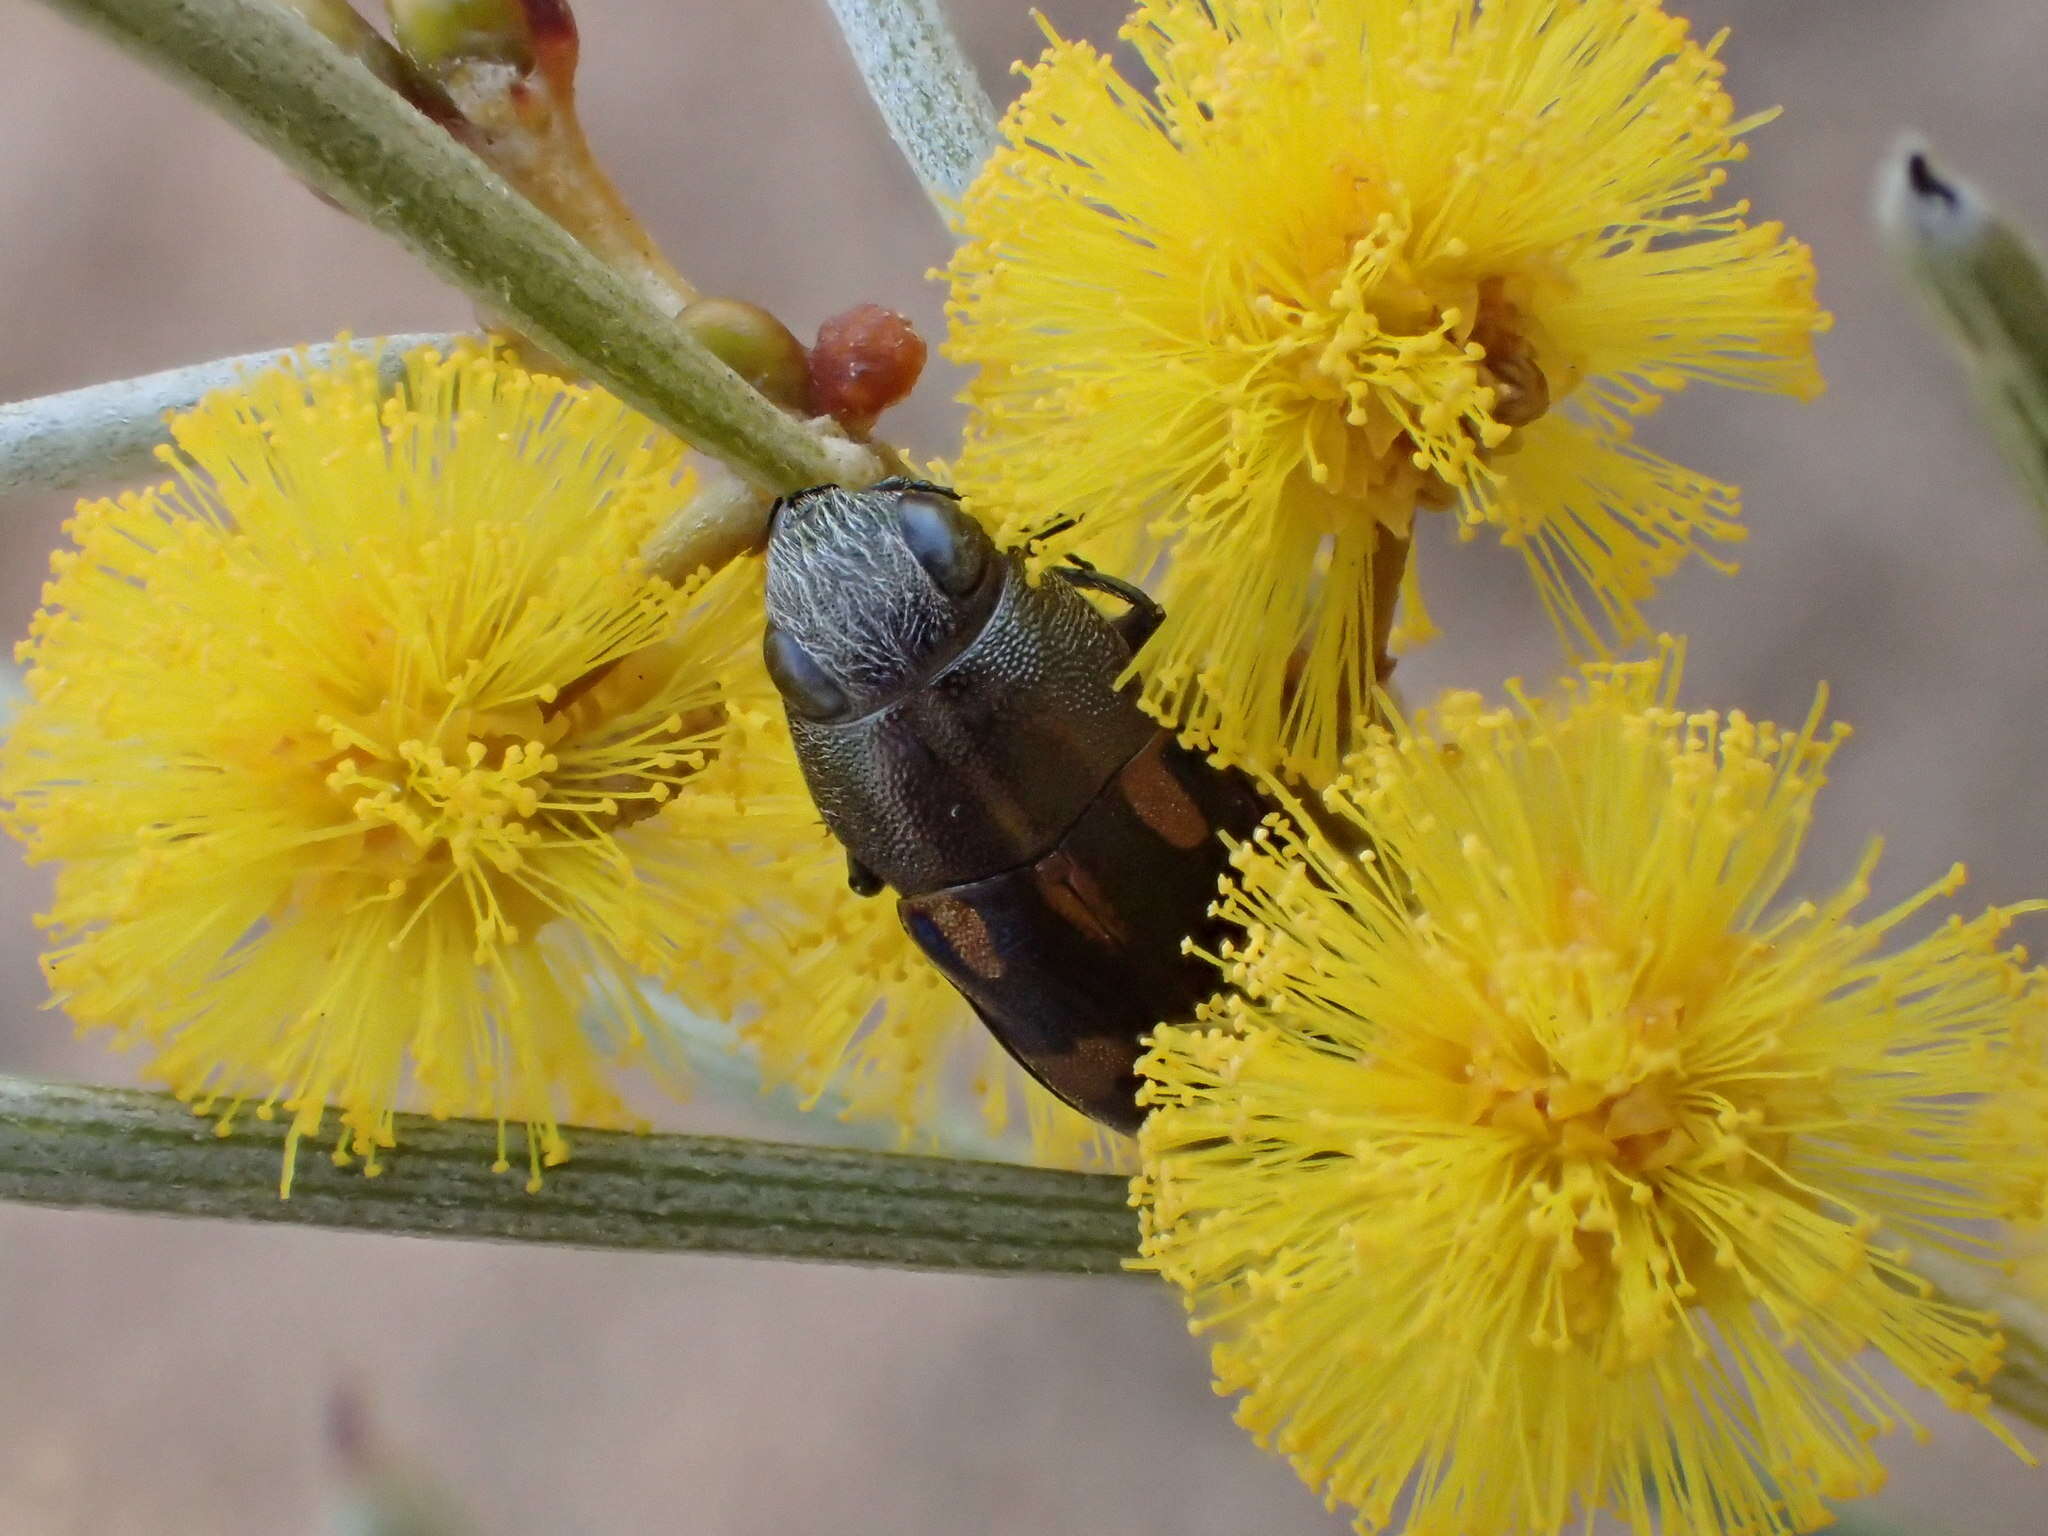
x: 1984, y: 283
x: 117, y: 1149
x: 927, y: 91
x: 112, y: 431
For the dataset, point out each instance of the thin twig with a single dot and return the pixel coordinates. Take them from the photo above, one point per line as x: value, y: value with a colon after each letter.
x: 350, y: 136
x: 927, y: 91
x: 111, y: 431
x: 116, y: 1149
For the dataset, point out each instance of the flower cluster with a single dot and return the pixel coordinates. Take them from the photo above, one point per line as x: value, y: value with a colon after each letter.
x: 371, y: 752
x: 382, y: 772
x: 1345, y: 260
x: 1538, y: 1157
x: 1531, y: 1066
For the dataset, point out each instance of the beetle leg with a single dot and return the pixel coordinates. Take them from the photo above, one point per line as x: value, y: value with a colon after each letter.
x: 1142, y: 617
x: 862, y: 880
x: 901, y: 483
x: 1038, y: 540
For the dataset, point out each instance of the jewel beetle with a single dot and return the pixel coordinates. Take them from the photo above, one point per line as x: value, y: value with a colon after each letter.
x: 962, y: 734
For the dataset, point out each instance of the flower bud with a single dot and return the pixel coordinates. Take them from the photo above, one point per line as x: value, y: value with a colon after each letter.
x: 343, y: 26
x: 865, y: 361
x: 756, y: 346
x: 440, y: 33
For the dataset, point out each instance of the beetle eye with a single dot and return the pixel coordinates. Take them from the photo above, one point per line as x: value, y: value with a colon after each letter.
x: 946, y: 541
x: 803, y: 684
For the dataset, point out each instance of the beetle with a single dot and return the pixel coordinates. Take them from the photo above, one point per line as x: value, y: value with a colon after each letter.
x: 961, y: 732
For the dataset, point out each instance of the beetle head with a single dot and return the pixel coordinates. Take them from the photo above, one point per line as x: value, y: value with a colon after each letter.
x: 871, y: 592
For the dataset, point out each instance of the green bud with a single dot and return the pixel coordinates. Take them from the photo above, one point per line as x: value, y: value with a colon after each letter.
x: 343, y: 26
x: 440, y: 35
x: 756, y: 346
x: 508, y: 67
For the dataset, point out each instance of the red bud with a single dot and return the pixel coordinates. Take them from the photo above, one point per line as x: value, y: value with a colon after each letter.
x: 865, y: 361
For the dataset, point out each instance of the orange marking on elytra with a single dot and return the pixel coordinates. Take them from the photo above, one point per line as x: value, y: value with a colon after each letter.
x: 1072, y: 892
x: 1160, y: 800
x: 968, y: 935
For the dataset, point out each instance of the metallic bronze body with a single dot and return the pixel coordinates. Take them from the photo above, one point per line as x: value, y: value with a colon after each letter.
x: 1073, y: 958
x: 1051, y: 846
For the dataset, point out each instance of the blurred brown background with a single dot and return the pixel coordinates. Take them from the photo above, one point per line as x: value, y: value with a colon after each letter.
x: 167, y: 1378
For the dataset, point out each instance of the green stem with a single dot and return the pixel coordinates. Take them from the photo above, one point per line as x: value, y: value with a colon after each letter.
x: 117, y: 1149
x: 350, y: 136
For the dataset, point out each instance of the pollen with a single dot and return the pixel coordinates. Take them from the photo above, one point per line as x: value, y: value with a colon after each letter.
x: 1342, y: 266
x: 1547, y: 1160
x: 378, y: 770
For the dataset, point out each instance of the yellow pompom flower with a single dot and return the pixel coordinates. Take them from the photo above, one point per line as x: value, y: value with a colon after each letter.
x: 377, y: 764
x: 1345, y: 260
x: 1550, y: 1161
